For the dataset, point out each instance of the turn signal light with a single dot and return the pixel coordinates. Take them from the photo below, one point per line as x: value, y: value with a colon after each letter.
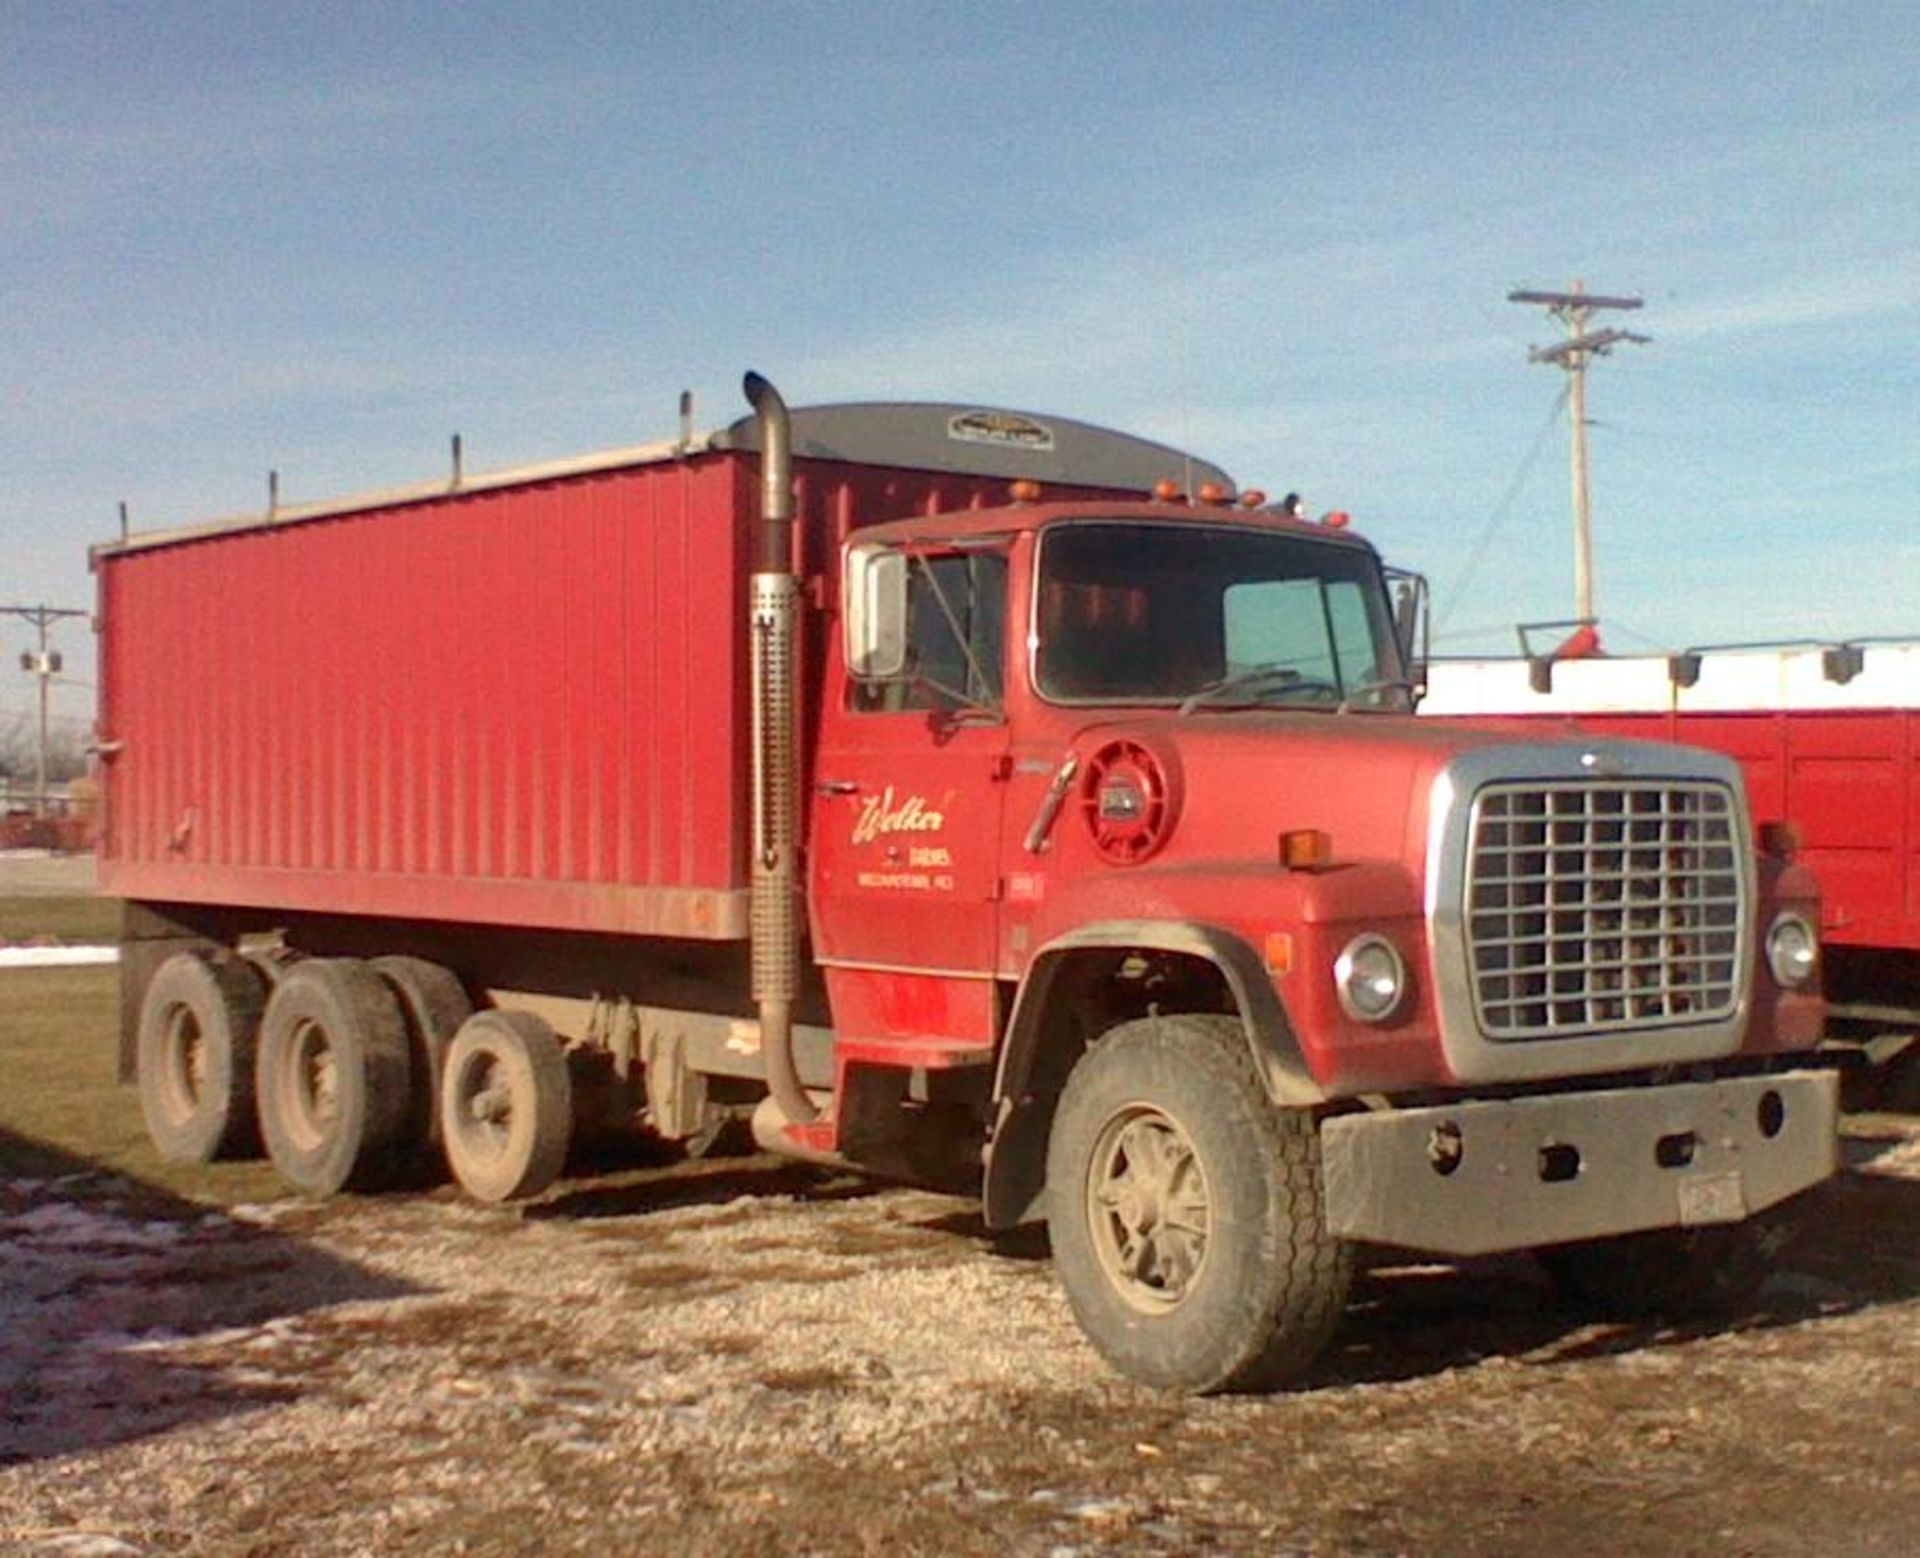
x: 1781, y: 840
x: 1306, y: 849
x: 1025, y: 491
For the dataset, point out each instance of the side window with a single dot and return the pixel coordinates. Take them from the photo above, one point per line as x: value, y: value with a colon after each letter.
x: 956, y: 637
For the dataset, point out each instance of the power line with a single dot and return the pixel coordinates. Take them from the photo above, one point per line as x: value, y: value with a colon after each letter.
x: 1478, y: 551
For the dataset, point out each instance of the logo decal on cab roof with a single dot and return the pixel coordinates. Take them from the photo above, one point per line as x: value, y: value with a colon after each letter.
x: 999, y: 427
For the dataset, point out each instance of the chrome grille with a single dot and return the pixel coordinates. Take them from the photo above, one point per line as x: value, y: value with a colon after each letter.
x: 1602, y: 905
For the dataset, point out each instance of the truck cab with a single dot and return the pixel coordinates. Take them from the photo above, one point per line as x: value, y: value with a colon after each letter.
x: 1140, y: 783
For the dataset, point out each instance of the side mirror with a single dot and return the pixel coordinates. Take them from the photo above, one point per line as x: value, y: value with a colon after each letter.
x: 875, y: 602
x: 1410, y: 622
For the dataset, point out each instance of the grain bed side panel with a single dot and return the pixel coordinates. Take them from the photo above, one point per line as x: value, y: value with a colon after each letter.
x: 521, y: 706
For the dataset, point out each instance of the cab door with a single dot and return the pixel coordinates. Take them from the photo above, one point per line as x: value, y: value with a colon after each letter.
x: 908, y: 793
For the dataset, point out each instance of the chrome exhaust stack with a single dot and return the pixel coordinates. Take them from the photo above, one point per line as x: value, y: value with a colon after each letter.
x: 774, y: 913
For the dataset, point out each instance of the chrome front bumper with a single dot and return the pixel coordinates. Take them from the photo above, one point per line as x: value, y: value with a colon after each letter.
x: 1478, y: 1178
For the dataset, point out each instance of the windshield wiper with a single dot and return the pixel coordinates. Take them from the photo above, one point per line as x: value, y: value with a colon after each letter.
x: 1247, y: 686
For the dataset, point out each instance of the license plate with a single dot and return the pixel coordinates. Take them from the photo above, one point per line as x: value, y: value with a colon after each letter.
x: 1712, y: 1198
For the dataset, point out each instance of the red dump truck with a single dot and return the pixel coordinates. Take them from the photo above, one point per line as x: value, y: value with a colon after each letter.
x: 1827, y: 736
x: 970, y: 796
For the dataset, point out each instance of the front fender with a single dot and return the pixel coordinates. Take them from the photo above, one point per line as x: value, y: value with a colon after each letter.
x: 1270, y: 1036
x: 1015, y: 1164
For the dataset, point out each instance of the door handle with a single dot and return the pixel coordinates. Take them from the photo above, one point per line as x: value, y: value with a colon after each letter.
x: 837, y: 787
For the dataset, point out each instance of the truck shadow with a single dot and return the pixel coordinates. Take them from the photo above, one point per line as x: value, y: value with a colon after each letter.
x: 1858, y: 1247
x: 122, y: 1306
x: 623, y: 1190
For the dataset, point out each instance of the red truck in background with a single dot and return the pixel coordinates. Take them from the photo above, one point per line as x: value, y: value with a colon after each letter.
x: 964, y: 795
x: 1828, y: 739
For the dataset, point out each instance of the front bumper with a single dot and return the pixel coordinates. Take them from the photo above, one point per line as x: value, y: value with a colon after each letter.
x: 1478, y: 1178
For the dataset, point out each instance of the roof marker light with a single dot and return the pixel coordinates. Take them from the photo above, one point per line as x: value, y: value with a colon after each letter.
x: 1212, y: 492
x: 1166, y: 491
x: 1253, y: 498
x: 1026, y: 491
x: 1336, y: 519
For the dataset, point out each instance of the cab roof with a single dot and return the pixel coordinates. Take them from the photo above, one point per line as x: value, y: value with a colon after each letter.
x: 980, y: 524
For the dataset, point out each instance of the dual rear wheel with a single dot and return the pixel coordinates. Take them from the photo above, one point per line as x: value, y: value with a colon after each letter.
x: 353, y: 1075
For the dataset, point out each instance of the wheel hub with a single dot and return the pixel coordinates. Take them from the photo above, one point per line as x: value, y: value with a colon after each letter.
x: 1148, y: 1208
x: 489, y: 1105
x: 186, y: 1062
x: 310, y: 1094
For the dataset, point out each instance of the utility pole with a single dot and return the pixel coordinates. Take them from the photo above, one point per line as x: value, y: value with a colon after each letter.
x: 43, y: 662
x: 1575, y: 309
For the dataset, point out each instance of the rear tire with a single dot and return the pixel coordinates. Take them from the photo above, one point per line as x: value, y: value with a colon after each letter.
x: 333, y: 1082
x: 199, y: 1023
x: 435, y: 1004
x: 506, y: 1106
x: 1186, y: 1212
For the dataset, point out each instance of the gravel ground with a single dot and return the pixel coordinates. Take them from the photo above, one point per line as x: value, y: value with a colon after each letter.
x: 737, y: 1356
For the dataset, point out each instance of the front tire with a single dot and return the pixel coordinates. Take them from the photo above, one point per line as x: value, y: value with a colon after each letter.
x: 1186, y: 1212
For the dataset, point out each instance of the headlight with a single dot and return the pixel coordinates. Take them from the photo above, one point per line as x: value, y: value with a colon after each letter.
x: 1793, y: 950
x: 1370, y: 978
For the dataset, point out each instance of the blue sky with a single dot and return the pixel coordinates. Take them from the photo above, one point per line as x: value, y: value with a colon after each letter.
x: 322, y: 238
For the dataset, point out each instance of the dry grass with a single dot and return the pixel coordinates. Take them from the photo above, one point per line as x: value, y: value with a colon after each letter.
x: 59, y: 1050
x: 75, y: 921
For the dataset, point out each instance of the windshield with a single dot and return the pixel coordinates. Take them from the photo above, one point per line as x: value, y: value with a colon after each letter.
x: 1206, y: 616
